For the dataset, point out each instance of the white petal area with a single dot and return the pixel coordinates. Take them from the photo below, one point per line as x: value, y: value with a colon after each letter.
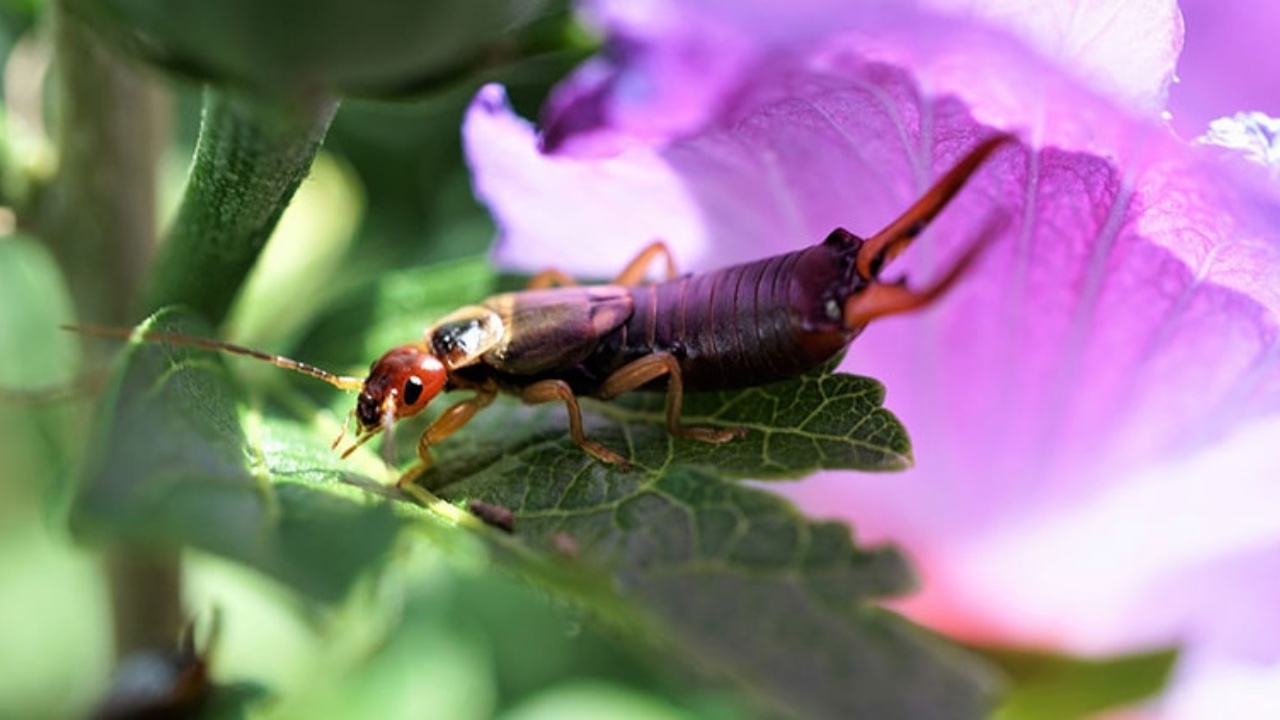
x: 1230, y: 663
x: 1126, y: 49
x: 1223, y: 687
x: 1007, y: 84
x: 589, y: 218
x: 1110, y: 570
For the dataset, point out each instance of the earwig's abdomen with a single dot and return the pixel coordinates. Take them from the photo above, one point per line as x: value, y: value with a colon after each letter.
x: 745, y: 325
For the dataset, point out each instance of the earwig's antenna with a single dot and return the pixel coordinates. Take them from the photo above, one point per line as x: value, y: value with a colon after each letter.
x: 342, y: 382
x: 887, y: 244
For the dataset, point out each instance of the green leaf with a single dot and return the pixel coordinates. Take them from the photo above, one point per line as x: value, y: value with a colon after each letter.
x: 176, y: 461
x: 38, y: 364
x: 1056, y: 687
x: 725, y: 577
x: 738, y: 580
x: 480, y: 646
x: 820, y: 421
x: 34, y: 295
x: 699, y: 558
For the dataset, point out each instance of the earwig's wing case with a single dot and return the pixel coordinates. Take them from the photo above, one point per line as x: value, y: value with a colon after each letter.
x: 550, y: 330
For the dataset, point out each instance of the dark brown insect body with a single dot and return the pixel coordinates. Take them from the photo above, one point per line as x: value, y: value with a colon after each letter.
x: 742, y: 326
x: 750, y: 324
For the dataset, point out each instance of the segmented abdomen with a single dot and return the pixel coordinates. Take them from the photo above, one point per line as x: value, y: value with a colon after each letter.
x: 744, y: 325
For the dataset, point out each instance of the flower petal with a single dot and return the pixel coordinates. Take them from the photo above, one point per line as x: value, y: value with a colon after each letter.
x: 553, y: 205
x: 1229, y: 64
x: 1082, y: 406
x: 1127, y: 49
x: 671, y: 66
x: 1231, y: 664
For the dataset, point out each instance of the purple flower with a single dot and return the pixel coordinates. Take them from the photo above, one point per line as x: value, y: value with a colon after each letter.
x: 1096, y: 409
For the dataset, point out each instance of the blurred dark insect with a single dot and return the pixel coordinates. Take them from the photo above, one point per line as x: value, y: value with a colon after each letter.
x: 161, y: 684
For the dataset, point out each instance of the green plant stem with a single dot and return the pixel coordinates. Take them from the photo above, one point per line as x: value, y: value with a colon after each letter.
x: 252, y: 154
x: 98, y: 217
x: 146, y: 598
x: 99, y: 213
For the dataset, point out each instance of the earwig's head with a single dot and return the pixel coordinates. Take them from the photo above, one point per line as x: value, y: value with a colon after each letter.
x: 400, y: 384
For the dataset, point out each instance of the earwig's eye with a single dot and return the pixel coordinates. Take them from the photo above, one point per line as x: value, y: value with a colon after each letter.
x: 412, y: 390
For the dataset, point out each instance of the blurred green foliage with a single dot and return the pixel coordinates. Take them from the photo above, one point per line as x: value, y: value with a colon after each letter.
x: 337, y: 45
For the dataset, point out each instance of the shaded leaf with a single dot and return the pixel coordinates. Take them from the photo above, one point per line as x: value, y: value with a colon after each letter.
x: 338, y: 45
x: 818, y: 421
x: 172, y: 464
x: 736, y: 579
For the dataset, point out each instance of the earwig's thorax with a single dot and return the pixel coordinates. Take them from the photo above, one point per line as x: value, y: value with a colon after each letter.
x: 400, y: 384
x: 462, y: 337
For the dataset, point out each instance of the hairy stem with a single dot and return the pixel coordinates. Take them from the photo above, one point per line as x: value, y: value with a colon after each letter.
x: 252, y: 154
x: 98, y: 217
x: 99, y: 214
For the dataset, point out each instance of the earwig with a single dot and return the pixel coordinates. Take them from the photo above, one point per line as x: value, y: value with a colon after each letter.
x: 738, y: 327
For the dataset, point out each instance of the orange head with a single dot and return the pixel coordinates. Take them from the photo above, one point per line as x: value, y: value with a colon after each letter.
x: 400, y: 384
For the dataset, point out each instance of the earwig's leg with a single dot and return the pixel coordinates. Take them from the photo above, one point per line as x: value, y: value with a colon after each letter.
x: 636, y: 270
x: 551, y: 278
x: 881, y: 299
x: 639, y: 373
x: 887, y: 244
x: 558, y: 390
x: 449, y: 422
x: 633, y: 274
